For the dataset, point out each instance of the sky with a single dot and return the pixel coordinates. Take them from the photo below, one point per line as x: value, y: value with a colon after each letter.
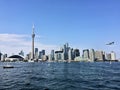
x: 84, y: 24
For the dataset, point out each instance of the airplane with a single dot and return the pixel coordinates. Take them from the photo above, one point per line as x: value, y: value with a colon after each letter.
x: 111, y: 43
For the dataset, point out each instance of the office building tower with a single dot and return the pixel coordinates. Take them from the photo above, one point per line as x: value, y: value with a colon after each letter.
x: 0, y: 56
x: 86, y: 53
x: 40, y: 54
x: 99, y: 55
x: 108, y: 56
x: 70, y: 54
x: 44, y: 57
x: 73, y: 54
x: 76, y: 52
x: 104, y: 56
x: 27, y: 57
x: 43, y: 52
x: 65, y: 51
x: 30, y: 55
x: 36, y: 53
x: 4, y: 56
x: 92, y: 54
x: 52, y: 54
x: 58, y: 55
x: 21, y: 53
x: 33, y: 36
x: 113, y: 55
x: 49, y: 58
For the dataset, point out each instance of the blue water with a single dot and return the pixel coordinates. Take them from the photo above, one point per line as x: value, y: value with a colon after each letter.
x: 60, y: 76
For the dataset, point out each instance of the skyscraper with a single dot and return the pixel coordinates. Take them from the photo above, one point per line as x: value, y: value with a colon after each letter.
x: 99, y: 55
x: 65, y: 51
x: 52, y: 54
x: 33, y: 36
x: 108, y: 56
x: 92, y: 54
x: 76, y: 52
x: 70, y: 54
x: 36, y: 53
x: 0, y: 56
x: 86, y: 53
x: 40, y: 54
x: 113, y: 55
x: 21, y: 53
x: 43, y: 52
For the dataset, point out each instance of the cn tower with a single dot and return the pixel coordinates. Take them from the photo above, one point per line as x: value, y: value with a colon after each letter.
x: 33, y: 36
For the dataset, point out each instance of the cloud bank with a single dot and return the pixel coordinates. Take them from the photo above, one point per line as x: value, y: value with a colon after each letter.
x: 14, y: 43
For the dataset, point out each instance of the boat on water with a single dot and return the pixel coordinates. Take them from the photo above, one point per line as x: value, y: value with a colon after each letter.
x: 31, y: 61
x: 8, y: 66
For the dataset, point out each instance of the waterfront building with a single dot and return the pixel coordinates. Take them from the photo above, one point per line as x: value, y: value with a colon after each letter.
x: 44, y: 58
x: 104, y: 56
x: 86, y: 53
x: 27, y: 57
x: 108, y: 56
x: 76, y: 52
x: 73, y: 54
x: 70, y: 54
x: 30, y: 55
x: 49, y: 58
x: 65, y: 51
x: 59, y: 55
x: 21, y: 53
x: 0, y: 56
x: 4, y: 56
x: 52, y: 55
x: 92, y: 54
x: 36, y: 53
x: 113, y: 55
x: 99, y: 55
x: 41, y: 53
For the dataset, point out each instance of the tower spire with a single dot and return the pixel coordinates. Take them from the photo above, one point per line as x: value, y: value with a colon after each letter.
x: 33, y: 36
x: 33, y: 28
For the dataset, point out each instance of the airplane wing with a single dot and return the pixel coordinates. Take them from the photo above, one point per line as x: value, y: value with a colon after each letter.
x: 111, y: 43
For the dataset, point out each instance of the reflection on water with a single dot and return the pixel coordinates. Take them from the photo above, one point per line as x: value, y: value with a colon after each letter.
x: 60, y: 76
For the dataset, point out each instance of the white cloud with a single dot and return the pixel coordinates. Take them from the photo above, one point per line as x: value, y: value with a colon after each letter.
x: 14, y: 43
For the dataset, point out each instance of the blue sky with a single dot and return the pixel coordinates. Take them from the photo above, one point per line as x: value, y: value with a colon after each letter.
x: 81, y: 23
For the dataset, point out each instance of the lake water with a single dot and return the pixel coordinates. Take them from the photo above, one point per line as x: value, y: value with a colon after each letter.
x: 60, y: 76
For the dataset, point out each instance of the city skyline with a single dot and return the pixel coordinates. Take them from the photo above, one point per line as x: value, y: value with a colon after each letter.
x: 83, y: 24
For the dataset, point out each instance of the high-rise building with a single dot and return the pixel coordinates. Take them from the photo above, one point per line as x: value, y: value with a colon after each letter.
x: 70, y: 54
x: 92, y: 54
x: 36, y: 53
x: 99, y: 55
x: 76, y: 52
x: 113, y: 55
x: 0, y: 56
x: 73, y: 54
x: 59, y: 55
x: 33, y: 36
x: 4, y: 56
x: 86, y: 53
x: 21, y: 53
x: 108, y: 56
x: 43, y: 52
x: 40, y: 54
x: 65, y: 51
x: 52, y: 55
